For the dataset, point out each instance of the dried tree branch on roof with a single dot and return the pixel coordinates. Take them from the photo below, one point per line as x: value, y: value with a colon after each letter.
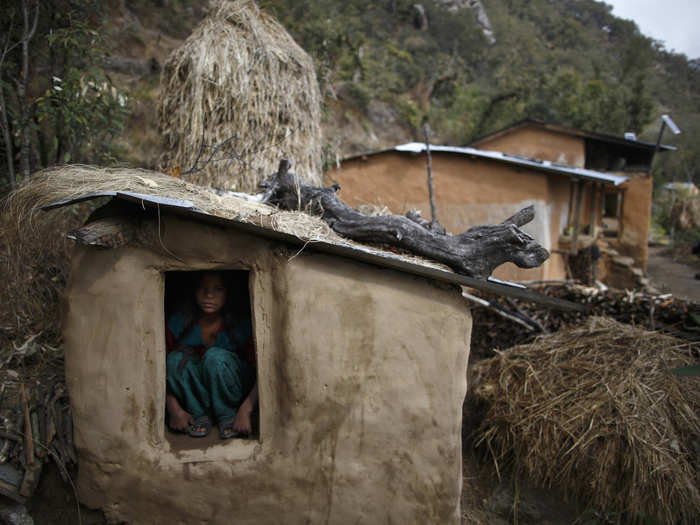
x: 476, y: 252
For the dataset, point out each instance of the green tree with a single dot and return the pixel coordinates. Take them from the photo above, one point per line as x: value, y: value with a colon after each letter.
x: 58, y: 105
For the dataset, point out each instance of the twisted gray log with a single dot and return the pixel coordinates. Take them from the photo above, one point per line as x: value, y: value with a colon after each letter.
x: 476, y: 252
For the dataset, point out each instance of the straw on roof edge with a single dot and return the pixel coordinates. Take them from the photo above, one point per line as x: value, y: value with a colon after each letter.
x: 70, y: 182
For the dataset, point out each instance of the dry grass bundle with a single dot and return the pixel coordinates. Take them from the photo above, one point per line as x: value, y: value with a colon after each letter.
x: 33, y: 271
x: 596, y: 412
x: 685, y: 213
x: 241, y: 76
x: 68, y: 182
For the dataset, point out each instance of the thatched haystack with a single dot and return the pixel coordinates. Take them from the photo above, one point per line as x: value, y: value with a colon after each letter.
x: 596, y: 412
x: 685, y: 214
x: 240, y: 82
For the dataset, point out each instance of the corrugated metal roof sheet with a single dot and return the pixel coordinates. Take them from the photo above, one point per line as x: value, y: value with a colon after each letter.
x: 518, y: 160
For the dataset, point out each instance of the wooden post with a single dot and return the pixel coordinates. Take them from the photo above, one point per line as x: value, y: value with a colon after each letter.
x: 595, y: 208
x: 572, y: 195
x: 577, y: 218
x: 431, y: 189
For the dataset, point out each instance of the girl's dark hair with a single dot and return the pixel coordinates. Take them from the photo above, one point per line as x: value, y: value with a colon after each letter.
x: 230, y: 311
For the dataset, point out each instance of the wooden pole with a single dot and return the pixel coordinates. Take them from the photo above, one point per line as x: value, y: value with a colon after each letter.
x: 572, y: 196
x: 577, y: 218
x: 431, y: 189
x: 28, y: 439
x: 594, y: 210
x: 656, y: 149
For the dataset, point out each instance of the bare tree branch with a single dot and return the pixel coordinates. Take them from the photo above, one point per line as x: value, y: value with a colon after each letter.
x: 476, y: 252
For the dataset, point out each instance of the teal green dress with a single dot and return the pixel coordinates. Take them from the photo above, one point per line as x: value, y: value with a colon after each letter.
x: 210, y: 380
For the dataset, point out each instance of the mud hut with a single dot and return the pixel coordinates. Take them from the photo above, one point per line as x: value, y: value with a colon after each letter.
x: 236, y: 95
x: 361, y: 367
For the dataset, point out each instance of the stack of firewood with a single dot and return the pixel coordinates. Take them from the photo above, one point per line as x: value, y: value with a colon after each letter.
x: 35, y: 418
x: 664, y: 313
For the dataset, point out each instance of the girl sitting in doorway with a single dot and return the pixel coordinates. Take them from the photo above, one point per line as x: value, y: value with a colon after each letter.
x: 210, y: 367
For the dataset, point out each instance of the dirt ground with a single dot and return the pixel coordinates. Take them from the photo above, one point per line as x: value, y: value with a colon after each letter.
x: 674, y: 276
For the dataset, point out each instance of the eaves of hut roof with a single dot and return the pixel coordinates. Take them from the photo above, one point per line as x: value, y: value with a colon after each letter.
x: 507, y: 158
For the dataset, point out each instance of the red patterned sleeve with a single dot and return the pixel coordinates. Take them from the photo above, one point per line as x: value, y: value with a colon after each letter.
x: 169, y: 340
x: 249, y: 354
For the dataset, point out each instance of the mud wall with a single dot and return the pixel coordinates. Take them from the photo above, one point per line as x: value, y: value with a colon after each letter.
x: 636, y: 219
x: 362, y: 374
x: 468, y: 192
x: 532, y: 141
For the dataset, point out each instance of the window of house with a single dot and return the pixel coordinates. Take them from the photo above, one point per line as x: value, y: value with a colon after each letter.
x: 211, y: 368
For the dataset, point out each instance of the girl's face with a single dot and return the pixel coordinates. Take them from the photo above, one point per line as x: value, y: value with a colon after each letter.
x: 211, y: 293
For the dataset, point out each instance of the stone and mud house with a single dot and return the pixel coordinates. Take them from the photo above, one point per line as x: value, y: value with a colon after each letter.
x: 361, y: 368
x: 585, y: 186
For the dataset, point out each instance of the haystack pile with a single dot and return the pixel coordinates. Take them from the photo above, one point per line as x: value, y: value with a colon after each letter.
x: 685, y: 214
x: 596, y: 412
x: 236, y: 97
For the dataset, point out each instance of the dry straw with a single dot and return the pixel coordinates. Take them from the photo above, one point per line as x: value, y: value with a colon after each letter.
x: 22, y: 208
x: 596, y: 412
x: 69, y: 182
x: 240, y: 76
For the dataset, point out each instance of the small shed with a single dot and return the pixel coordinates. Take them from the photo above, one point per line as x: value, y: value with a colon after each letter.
x: 361, y: 360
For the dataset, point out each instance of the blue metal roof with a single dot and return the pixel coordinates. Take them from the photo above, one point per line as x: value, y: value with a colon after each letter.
x: 517, y: 160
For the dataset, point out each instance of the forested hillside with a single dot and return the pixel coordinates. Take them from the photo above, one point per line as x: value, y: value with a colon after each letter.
x: 569, y: 61
x: 87, y: 89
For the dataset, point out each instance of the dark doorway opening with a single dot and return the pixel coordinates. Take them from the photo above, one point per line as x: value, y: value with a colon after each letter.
x: 210, y: 357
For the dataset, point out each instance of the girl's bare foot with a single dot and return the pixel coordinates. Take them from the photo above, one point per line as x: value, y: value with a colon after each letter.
x: 242, y: 423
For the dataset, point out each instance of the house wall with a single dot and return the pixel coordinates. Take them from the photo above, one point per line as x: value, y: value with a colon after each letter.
x: 362, y: 375
x: 636, y: 218
x: 540, y: 144
x: 533, y: 141
x: 468, y: 192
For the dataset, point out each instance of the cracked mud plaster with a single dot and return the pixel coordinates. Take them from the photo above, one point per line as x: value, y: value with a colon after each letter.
x: 362, y: 374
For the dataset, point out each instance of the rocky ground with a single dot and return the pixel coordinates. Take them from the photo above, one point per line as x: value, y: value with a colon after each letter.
x: 675, y: 275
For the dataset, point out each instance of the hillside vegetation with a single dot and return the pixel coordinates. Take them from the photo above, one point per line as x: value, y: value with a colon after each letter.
x: 385, y: 68
x: 569, y: 61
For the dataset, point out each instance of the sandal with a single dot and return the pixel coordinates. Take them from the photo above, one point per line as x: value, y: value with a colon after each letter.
x: 226, y: 430
x: 200, y: 427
